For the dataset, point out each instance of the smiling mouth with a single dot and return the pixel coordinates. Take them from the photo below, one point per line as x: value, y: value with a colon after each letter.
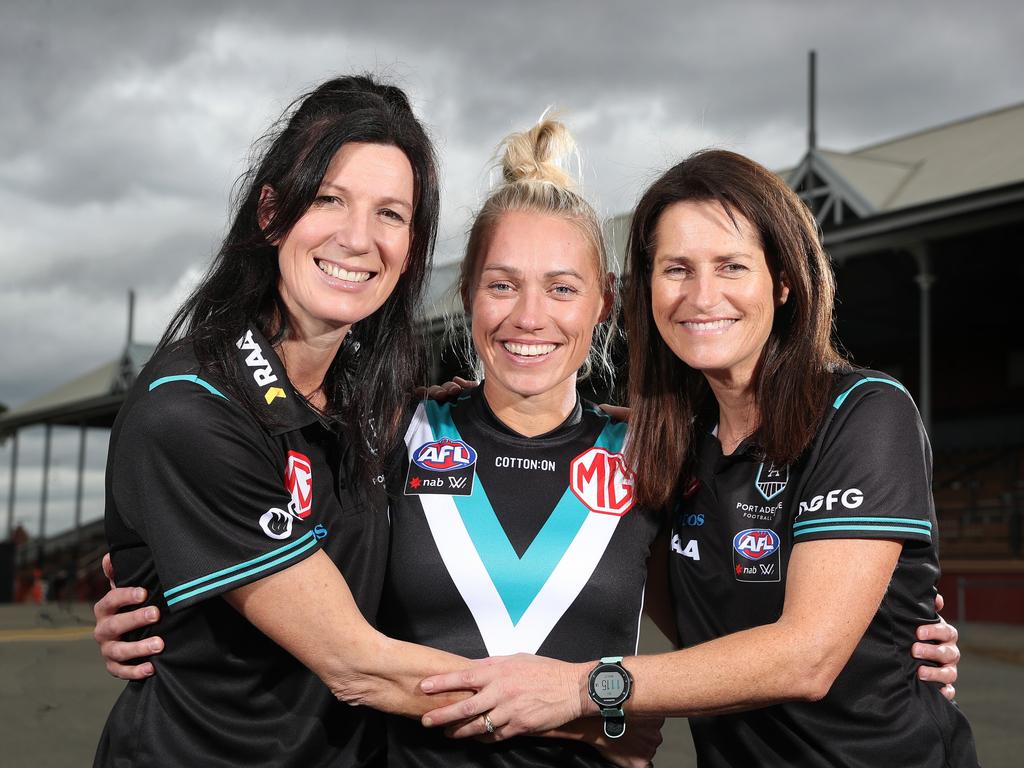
x: 711, y: 325
x: 528, y: 350
x: 333, y: 270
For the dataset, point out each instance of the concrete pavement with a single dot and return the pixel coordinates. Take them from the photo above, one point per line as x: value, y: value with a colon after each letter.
x: 55, y: 693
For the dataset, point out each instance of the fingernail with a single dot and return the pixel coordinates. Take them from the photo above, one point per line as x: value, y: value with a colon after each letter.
x: 426, y: 685
x: 427, y: 722
x: 155, y: 646
x: 151, y: 614
x: 149, y: 670
x: 139, y: 595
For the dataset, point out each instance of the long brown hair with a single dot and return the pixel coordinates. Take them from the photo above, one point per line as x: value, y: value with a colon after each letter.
x: 793, y: 377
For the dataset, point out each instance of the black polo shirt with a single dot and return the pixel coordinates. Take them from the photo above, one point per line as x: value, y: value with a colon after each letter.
x: 867, y: 475
x: 202, y: 499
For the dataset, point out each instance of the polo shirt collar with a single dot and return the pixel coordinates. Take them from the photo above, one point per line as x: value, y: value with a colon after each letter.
x: 264, y: 374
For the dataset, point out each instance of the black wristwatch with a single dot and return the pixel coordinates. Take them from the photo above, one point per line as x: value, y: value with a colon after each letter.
x: 609, y: 686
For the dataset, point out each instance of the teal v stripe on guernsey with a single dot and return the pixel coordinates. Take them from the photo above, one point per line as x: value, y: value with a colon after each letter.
x: 517, y: 580
x: 241, y: 570
x: 187, y: 377
x: 842, y: 398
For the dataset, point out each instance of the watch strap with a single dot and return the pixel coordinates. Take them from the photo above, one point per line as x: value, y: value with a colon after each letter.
x: 614, y: 718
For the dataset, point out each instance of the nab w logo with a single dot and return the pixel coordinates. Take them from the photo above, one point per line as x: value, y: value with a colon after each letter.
x: 444, y: 455
x: 602, y: 481
x: 771, y: 480
x: 457, y: 482
x: 756, y: 543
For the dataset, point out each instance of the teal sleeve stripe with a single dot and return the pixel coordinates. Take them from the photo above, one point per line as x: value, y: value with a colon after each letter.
x: 885, y: 528
x: 830, y: 520
x: 243, y: 574
x: 891, y: 382
x: 241, y: 566
x: 192, y: 378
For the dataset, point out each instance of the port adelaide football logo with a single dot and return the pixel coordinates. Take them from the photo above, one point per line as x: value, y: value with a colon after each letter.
x: 756, y: 555
x: 443, y: 466
x: 771, y: 480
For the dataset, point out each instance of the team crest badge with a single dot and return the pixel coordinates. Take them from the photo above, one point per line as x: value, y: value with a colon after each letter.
x: 771, y: 480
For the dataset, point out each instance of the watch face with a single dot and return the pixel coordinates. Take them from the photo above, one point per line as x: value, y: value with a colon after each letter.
x: 609, y: 685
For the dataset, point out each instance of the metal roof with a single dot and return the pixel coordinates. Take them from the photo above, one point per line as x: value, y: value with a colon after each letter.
x: 92, y: 399
x: 976, y: 153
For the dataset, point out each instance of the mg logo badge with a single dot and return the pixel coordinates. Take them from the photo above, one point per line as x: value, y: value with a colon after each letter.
x: 602, y: 481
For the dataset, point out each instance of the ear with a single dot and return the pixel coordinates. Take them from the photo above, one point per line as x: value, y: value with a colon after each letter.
x: 609, y: 297
x: 782, y: 291
x: 265, y: 209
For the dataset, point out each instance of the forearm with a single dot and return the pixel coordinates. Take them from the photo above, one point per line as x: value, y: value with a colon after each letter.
x: 309, y: 611
x: 755, y: 668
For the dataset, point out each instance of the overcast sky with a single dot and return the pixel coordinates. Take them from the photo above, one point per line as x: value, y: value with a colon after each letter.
x: 125, y: 123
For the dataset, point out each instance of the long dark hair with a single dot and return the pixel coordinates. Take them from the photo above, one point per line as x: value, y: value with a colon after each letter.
x: 240, y: 286
x: 794, y: 375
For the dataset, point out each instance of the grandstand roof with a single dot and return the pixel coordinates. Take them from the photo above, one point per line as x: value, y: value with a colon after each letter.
x: 965, y: 157
x: 92, y: 398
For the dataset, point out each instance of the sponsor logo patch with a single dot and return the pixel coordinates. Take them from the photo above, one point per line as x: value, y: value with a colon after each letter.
x: 756, y: 555
x: 602, y: 481
x: 691, y: 549
x: 851, y: 498
x: 276, y: 523
x: 262, y: 372
x: 771, y: 480
x: 449, y: 469
x: 298, y: 479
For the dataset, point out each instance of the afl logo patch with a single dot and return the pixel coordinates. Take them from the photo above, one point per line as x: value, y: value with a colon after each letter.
x: 756, y: 543
x: 444, y: 456
x: 602, y: 481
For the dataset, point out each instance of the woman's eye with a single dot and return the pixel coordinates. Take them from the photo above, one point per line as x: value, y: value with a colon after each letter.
x: 500, y: 287
x: 734, y: 268
x: 327, y: 200
x: 394, y: 216
x: 564, y: 290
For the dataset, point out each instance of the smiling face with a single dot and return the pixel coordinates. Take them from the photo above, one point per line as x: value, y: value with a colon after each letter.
x: 342, y: 259
x: 538, y: 294
x: 712, y: 295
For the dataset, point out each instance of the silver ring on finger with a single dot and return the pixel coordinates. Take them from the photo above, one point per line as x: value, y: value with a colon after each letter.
x: 488, y: 725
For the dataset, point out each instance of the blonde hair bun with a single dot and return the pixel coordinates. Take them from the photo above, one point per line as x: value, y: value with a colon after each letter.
x: 540, y: 154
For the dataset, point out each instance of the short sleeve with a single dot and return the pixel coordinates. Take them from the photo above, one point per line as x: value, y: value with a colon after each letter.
x: 204, y: 487
x: 871, y: 478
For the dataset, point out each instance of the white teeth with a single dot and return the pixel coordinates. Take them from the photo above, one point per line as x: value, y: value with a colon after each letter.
x: 528, y: 350
x: 343, y: 274
x: 711, y: 326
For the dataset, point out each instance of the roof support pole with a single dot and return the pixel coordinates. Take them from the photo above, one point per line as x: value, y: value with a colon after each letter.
x: 812, y: 101
x: 42, y: 502
x: 12, y: 486
x: 73, y: 568
x: 925, y: 278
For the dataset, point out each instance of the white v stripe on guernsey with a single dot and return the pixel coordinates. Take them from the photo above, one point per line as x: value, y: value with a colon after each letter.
x: 462, y: 559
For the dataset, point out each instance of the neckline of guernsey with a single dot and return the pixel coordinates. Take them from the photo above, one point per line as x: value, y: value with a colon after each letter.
x: 491, y: 419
